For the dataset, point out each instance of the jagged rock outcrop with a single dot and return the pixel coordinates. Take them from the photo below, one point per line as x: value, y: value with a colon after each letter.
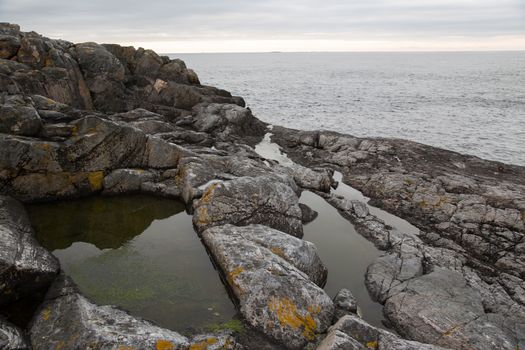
x: 275, y: 277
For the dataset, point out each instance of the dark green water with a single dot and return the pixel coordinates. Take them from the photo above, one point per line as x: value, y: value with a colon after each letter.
x: 137, y: 252
x: 345, y: 253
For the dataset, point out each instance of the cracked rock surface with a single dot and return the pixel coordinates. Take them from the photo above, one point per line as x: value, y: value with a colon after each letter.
x: 276, y: 279
x: 458, y: 282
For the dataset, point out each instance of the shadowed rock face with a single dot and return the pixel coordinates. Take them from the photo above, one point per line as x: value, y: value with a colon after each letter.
x: 25, y: 266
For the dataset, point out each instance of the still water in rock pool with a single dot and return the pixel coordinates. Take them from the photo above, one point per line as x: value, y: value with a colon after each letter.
x: 345, y: 253
x: 139, y: 253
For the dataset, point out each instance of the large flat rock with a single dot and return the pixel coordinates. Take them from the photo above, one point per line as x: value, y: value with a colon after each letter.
x: 275, y: 277
x: 250, y: 200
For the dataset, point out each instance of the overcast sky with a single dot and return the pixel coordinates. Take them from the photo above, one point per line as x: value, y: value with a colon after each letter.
x: 278, y: 25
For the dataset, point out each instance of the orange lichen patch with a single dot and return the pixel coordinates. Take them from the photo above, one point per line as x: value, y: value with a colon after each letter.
x: 125, y: 347
x: 203, y: 216
x: 206, y: 197
x: 234, y: 274
x: 96, y: 179
x: 46, y: 314
x: 287, y: 314
x: 372, y: 344
x: 164, y: 345
x: 203, y: 345
x: 277, y: 251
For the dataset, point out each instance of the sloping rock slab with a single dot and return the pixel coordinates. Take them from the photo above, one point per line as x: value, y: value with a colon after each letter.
x: 441, y: 308
x: 274, y: 276
x: 25, y: 266
x: 67, y: 320
x: 351, y: 332
x: 250, y: 200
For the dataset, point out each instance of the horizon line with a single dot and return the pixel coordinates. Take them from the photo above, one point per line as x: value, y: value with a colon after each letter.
x: 347, y: 51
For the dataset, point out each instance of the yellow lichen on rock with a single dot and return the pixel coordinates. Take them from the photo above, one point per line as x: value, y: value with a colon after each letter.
x: 164, y: 345
x: 372, y: 344
x: 206, y: 197
x: 234, y: 274
x: 203, y: 215
x: 203, y: 345
x: 46, y: 314
x: 278, y: 251
x: 288, y: 315
x: 96, y: 179
x: 125, y: 347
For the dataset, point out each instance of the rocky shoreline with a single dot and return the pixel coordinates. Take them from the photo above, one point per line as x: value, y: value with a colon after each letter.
x: 86, y: 119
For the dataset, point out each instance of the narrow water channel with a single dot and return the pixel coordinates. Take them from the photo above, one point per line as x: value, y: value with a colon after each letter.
x: 345, y: 253
x: 343, y: 250
x: 139, y: 253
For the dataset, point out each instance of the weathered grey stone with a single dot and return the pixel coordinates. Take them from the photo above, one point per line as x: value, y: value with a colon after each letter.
x: 9, y: 45
x: 270, y: 274
x: 371, y: 337
x: 12, y: 337
x: 308, y: 214
x: 226, y: 120
x: 19, y: 119
x: 345, y: 303
x: 442, y: 309
x: 249, y: 200
x: 337, y: 340
x: 221, y: 341
x: 127, y: 180
x: 32, y: 51
x: 67, y: 319
x: 25, y: 266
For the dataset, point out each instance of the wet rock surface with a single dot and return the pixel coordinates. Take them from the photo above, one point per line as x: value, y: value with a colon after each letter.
x: 25, y: 266
x: 85, y: 119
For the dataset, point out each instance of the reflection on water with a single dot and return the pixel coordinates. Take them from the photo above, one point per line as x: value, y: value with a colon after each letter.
x: 344, y: 252
x: 136, y: 252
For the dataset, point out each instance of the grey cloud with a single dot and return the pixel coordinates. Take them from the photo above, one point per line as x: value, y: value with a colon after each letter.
x: 133, y: 20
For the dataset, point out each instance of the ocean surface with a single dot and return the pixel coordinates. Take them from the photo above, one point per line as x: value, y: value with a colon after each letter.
x: 470, y: 102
